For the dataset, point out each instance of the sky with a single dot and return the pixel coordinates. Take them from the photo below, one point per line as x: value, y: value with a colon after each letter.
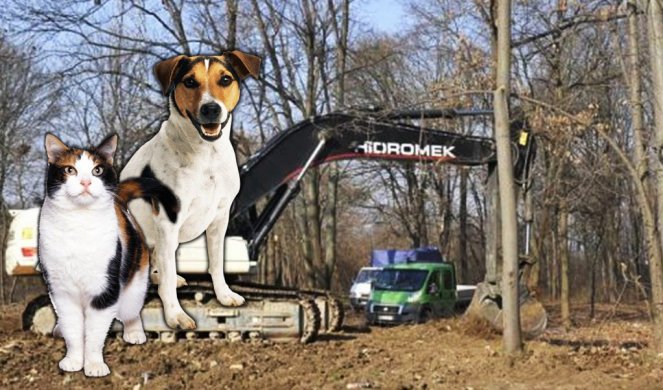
x: 385, y: 16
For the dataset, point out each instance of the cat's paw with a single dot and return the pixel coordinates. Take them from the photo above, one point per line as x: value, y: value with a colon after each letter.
x: 228, y: 298
x: 179, y: 319
x: 134, y: 337
x: 96, y: 369
x: 70, y: 364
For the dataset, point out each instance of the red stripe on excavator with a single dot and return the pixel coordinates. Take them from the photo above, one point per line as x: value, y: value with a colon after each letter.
x: 381, y: 156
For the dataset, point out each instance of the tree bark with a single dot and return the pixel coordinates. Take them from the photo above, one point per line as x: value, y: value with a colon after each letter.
x: 5, y: 221
x: 462, y: 216
x: 512, y: 339
x: 231, y: 11
x: 563, y: 241
x: 655, y: 26
x: 635, y: 90
x: 330, y: 231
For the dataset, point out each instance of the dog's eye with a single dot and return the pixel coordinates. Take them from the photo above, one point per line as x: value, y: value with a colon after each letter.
x: 70, y: 170
x: 97, y: 171
x: 190, y: 83
x: 225, y: 81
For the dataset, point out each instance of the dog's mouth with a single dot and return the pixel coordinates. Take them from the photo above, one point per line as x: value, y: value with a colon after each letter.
x: 211, y: 129
x: 208, y: 131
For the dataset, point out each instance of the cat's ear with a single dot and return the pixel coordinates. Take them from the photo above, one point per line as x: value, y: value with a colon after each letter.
x: 54, y: 147
x: 107, y: 148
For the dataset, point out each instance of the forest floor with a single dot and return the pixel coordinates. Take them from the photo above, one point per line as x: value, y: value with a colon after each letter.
x: 609, y: 352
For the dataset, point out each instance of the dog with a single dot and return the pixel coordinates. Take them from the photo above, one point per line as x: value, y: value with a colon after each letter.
x: 192, y: 154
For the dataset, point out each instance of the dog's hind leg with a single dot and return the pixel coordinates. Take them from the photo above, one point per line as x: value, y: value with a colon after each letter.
x: 215, y: 236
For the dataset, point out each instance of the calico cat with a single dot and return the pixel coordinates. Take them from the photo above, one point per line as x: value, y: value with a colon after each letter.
x: 92, y: 253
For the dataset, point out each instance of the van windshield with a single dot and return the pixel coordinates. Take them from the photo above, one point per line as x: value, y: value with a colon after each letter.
x: 401, y: 280
x: 367, y: 275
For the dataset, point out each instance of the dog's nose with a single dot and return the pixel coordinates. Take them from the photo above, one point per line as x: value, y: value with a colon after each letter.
x: 210, y: 111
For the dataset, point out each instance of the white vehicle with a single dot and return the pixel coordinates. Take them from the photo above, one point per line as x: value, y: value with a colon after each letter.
x: 360, y: 291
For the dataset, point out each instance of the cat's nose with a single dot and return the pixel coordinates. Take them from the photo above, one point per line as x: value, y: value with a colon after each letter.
x: 86, y: 182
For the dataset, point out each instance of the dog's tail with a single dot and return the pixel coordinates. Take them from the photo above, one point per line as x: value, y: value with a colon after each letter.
x: 148, y: 187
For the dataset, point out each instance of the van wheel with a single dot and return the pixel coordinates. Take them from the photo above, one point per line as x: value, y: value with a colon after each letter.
x: 424, y: 315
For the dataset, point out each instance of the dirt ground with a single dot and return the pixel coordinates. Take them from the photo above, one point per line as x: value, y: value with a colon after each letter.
x: 610, y: 353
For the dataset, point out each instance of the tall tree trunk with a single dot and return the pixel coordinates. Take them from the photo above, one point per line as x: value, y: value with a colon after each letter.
x: 493, y: 261
x: 512, y: 339
x: 563, y: 241
x: 462, y: 216
x: 655, y: 25
x: 635, y: 90
x: 5, y: 220
x: 492, y: 230
x: 341, y: 33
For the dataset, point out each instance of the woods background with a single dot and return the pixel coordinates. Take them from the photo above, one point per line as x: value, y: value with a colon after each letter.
x: 83, y: 69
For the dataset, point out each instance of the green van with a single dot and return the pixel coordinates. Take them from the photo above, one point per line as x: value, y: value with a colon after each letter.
x: 412, y: 292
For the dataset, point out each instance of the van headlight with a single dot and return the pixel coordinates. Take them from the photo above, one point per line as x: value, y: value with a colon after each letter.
x: 414, y: 297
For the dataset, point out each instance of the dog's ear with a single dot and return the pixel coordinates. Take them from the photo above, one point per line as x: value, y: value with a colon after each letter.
x: 107, y: 148
x: 165, y: 72
x: 54, y: 147
x: 244, y: 64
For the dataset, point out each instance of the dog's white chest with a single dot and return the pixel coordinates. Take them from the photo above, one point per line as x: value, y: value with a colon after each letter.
x: 212, y: 190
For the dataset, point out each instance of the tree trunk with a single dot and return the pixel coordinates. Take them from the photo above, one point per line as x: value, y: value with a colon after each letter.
x: 635, y: 89
x: 231, y: 11
x: 492, y: 227
x: 562, y: 239
x: 655, y: 24
x: 5, y: 220
x: 512, y: 339
x: 462, y: 216
x: 333, y: 179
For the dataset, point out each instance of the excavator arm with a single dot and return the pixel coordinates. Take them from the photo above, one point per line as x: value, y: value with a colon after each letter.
x: 277, y: 168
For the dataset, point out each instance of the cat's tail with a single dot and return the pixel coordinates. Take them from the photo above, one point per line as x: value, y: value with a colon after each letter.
x: 148, y: 187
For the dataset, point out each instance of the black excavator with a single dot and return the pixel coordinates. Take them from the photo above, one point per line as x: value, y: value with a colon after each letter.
x: 270, y: 179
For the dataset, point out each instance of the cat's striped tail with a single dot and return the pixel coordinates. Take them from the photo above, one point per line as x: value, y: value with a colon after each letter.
x: 148, y: 187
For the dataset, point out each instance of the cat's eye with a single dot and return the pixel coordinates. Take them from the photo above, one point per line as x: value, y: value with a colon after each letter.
x: 70, y: 170
x: 190, y: 83
x: 225, y: 81
x: 97, y: 171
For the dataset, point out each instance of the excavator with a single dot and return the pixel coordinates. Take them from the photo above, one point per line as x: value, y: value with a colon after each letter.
x: 270, y: 180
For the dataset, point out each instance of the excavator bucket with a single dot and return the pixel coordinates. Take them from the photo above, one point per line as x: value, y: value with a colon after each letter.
x: 487, y: 305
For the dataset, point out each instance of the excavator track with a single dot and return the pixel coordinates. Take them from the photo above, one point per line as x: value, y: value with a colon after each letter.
x: 270, y: 313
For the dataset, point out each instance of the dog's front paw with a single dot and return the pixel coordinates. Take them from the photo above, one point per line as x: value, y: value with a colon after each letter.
x: 96, y: 369
x: 135, y: 337
x: 229, y: 298
x: 180, y: 319
x: 70, y: 364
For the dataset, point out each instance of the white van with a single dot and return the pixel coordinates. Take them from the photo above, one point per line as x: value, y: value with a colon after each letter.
x: 360, y: 291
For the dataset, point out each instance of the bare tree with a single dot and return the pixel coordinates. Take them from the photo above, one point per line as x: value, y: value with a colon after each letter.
x: 655, y: 26
x: 512, y: 339
x: 26, y: 106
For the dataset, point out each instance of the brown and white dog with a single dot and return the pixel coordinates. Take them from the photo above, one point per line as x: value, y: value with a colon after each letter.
x: 192, y: 155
